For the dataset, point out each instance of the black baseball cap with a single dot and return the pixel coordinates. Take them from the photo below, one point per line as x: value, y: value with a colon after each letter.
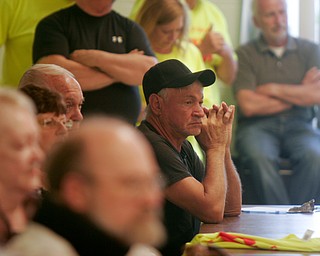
x: 173, y: 73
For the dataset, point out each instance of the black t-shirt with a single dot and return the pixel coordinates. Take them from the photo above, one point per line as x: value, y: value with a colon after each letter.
x: 70, y: 29
x: 175, y: 166
x: 86, y: 238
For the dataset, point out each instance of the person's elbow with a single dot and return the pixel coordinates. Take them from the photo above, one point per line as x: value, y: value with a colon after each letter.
x: 230, y: 77
x: 151, y: 61
x: 233, y: 213
x: 215, y: 213
x: 212, y: 214
x: 247, y: 110
x: 228, y: 80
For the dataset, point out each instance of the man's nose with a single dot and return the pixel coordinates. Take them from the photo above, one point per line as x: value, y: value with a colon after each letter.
x: 75, y: 115
x: 199, y: 111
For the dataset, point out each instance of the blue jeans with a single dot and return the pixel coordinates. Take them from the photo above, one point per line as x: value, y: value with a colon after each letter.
x: 261, y: 143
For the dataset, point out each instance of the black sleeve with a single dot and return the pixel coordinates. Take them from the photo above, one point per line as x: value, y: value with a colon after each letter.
x: 170, y: 163
x: 137, y: 39
x: 50, y: 38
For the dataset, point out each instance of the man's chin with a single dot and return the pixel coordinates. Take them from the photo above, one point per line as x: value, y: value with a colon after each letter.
x: 152, y: 233
x: 194, y: 132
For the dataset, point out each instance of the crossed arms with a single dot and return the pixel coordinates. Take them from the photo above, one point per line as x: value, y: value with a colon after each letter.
x: 272, y: 98
x: 95, y: 69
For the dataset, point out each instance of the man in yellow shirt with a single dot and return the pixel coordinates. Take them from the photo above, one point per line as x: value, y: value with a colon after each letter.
x: 18, y: 19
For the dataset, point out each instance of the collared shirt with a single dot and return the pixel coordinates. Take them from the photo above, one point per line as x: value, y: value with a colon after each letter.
x: 259, y: 65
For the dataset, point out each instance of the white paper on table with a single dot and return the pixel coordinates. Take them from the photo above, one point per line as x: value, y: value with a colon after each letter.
x: 261, y: 209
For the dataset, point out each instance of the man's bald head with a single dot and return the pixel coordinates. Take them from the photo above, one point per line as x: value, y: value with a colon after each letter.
x: 61, y: 80
x: 107, y: 171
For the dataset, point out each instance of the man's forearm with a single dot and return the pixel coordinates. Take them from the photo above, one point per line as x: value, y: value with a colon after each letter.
x: 126, y: 68
x: 88, y: 78
x: 227, y: 70
x: 255, y: 104
x: 234, y: 192
x: 215, y: 185
x: 301, y: 95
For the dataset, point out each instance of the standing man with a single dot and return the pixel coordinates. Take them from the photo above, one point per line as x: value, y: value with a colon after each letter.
x: 193, y: 192
x: 61, y: 80
x: 107, y: 53
x: 277, y: 85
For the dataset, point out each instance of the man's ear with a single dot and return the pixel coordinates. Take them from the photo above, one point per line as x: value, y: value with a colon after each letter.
x: 155, y: 103
x: 256, y: 22
x: 74, y: 192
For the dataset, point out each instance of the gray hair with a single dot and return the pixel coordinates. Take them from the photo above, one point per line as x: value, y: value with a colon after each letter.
x: 38, y: 74
x: 163, y: 93
x: 255, y: 7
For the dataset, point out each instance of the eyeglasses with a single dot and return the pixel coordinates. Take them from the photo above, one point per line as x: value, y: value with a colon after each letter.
x: 52, y: 122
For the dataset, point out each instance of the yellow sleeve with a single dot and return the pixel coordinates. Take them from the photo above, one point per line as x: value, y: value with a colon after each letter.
x: 135, y: 9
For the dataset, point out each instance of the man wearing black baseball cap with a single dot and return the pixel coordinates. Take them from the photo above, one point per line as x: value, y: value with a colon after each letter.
x: 193, y: 192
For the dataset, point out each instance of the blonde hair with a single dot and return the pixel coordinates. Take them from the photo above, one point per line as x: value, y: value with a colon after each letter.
x: 155, y: 13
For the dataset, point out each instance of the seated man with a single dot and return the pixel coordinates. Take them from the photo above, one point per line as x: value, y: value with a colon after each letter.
x: 61, y: 80
x: 174, y: 97
x: 104, y: 192
x: 277, y: 85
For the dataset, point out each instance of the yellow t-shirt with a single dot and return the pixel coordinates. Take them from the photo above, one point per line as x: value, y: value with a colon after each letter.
x: 18, y: 20
x: 204, y: 15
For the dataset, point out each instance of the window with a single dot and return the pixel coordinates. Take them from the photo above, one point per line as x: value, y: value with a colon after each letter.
x: 293, y: 17
x: 317, y: 20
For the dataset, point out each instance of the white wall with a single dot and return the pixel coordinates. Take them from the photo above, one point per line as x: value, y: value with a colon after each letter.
x: 123, y: 6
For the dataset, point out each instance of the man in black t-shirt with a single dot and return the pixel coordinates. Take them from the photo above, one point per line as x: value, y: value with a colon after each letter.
x: 193, y: 192
x: 107, y: 53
